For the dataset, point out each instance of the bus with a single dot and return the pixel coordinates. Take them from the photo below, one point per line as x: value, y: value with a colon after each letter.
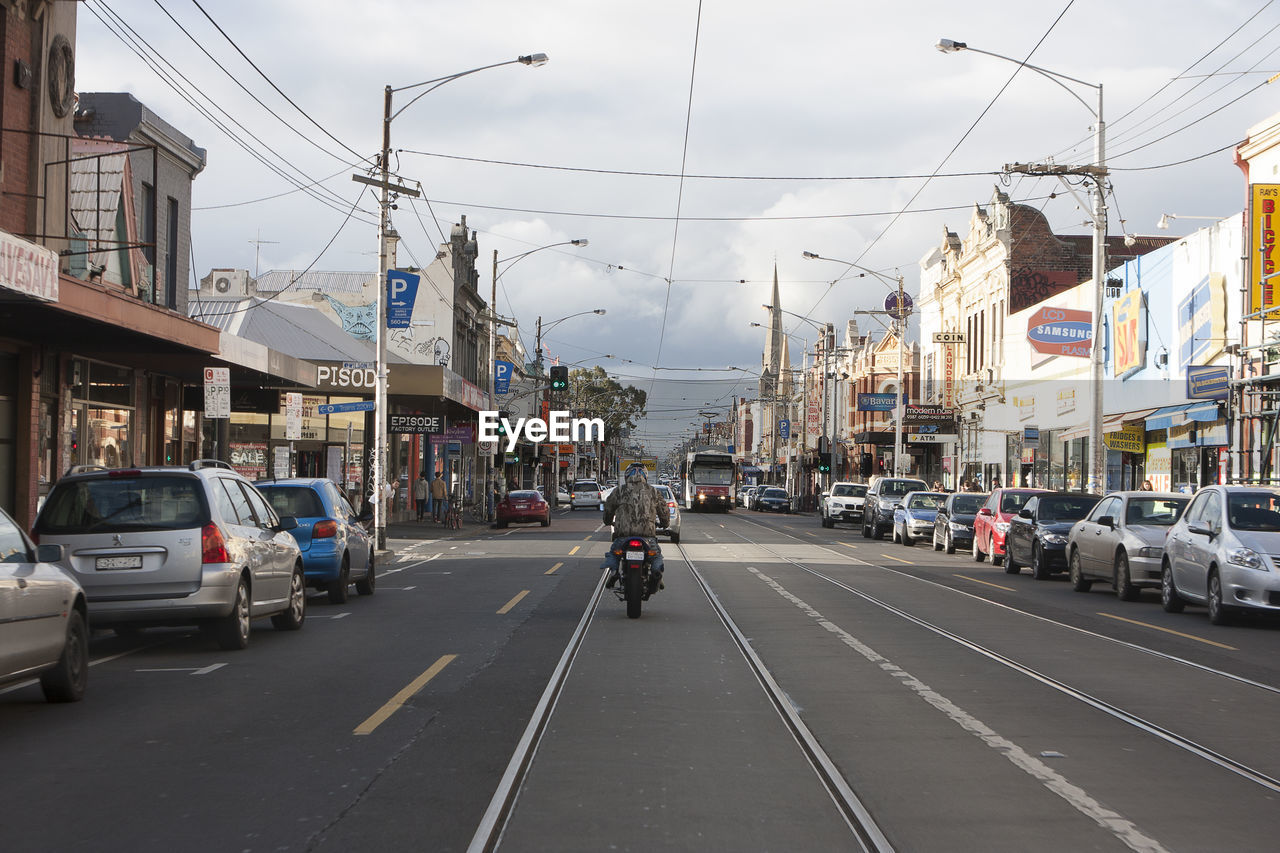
x: 708, y: 481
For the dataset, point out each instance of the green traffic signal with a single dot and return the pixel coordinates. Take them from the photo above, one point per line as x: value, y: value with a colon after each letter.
x: 559, y: 378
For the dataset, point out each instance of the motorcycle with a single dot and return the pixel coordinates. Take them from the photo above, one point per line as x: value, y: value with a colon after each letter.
x: 635, y: 557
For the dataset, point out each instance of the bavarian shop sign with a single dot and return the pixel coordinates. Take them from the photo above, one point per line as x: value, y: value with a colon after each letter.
x: 1061, y: 331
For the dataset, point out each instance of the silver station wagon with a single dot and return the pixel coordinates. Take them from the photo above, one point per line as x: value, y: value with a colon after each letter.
x: 176, y: 546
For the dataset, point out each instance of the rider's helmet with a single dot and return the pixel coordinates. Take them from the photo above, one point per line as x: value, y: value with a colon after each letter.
x: 636, y: 473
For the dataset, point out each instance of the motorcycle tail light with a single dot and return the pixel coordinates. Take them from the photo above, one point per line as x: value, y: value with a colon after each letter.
x: 636, y: 543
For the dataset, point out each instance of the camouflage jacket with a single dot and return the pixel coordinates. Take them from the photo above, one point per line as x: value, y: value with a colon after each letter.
x: 633, y: 510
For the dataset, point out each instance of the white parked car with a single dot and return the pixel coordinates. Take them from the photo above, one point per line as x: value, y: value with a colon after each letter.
x: 44, y: 628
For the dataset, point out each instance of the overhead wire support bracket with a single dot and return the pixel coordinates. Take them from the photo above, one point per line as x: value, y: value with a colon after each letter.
x: 386, y: 185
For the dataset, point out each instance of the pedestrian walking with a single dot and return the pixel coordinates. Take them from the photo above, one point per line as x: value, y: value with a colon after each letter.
x: 439, y: 494
x: 420, y: 492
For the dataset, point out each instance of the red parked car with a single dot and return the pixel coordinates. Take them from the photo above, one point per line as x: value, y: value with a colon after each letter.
x: 524, y: 506
x: 992, y: 522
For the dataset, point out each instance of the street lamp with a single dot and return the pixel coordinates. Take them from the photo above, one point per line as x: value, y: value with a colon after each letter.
x: 900, y: 315
x: 554, y: 486
x: 378, y: 465
x: 1096, y: 174
x: 493, y: 325
x: 1163, y: 224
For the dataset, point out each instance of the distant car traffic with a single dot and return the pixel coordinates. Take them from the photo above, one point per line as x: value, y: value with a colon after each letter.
x: 843, y: 503
x: 882, y: 498
x: 585, y: 493
x: 168, y: 545
x: 1122, y: 541
x: 744, y: 496
x: 992, y: 522
x: 523, y: 506
x: 673, y: 513
x: 44, y: 629
x: 953, y: 525
x: 773, y: 499
x: 914, y: 515
x: 1038, y: 533
x: 337, y: 548
x: 1224, y: 552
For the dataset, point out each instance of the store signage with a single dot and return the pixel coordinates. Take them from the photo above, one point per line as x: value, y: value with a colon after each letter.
x: 1208, y: 383
x: 1202, y: 321
x: 949, y: 377
x: 1030, y: 438
x: 1060, y: 331
x: 1129, y: 315
x: 877, y: 402
x: 462, y: 433
x: 1262, y: 247
x: 1066, y: 401
x: 1132, y: 438
x: 932, y: 438
x: 28, y: 269
x: 928, y: 415
x: 217, y: 392
x: 948, y: 337
x: 402, y: 292
x: 346, y: 377
x: 415, y: 424
x: 891, y: 304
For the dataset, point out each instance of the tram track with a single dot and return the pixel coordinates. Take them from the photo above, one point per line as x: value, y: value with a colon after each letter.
x: 1149, y: 727
x: 862, y: 826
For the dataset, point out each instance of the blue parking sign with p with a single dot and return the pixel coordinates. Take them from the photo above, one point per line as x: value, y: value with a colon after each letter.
x: 784, y: 429
x: 402, y: 291
x: 502, y: 371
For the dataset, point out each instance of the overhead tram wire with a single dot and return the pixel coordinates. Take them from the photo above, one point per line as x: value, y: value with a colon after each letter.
x: 1182, y: 76
x: 305, y: 137
x: 140, y: 46
x: 347, y: 168
x: 876, y: 240
x: 136, y: 46
x: 684, y: 159
x: 271, y: 83
x: 637, y: 174
x: 273, y: 297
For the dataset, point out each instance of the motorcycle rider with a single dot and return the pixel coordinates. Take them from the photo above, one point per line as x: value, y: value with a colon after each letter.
x: 635, y: 509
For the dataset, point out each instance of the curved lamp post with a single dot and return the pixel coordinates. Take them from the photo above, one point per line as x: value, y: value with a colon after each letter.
x: 1097, y: 178
x: 378, y: 465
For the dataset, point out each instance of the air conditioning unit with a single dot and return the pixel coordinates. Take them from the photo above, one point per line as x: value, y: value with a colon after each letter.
x: 229, y: 284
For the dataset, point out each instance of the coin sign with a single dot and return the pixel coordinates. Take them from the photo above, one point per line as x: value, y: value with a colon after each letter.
x: 891, y: 305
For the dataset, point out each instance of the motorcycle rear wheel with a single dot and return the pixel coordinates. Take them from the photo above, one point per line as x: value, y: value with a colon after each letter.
x: 634, y: 590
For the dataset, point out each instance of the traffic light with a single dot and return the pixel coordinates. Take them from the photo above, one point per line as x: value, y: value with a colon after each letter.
x: 502, y: 423
x: 824, y: 463
x: 559, y: 378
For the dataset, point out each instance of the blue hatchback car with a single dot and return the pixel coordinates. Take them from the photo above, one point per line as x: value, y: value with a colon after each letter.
x: 336, y: 548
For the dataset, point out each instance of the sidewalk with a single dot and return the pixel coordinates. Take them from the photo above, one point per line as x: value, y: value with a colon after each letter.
x: 428, y: 529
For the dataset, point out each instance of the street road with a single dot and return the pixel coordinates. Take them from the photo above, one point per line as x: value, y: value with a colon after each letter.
x: 793, y: 688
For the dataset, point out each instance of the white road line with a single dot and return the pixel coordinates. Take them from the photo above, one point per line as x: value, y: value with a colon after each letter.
x: 1124, y: 830
x: 328, y: 615
x: 107, y: 659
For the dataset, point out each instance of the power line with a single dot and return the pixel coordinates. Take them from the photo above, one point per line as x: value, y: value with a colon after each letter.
x: 262, y: 74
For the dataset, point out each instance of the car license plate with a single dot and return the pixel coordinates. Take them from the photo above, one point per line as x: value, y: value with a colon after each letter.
x: 635, y: 555
x: 133, y: 562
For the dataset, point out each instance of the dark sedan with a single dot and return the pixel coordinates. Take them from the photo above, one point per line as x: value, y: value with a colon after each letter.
x: 953, y: 525
x: 773, y: 500
x: 523, y: 507
x: 1037, y: 535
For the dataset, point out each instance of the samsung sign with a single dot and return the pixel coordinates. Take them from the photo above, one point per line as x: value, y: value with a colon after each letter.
x: 1061, y: 331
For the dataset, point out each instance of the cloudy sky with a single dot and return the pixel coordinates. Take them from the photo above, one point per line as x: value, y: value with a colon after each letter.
x: 806, y: 125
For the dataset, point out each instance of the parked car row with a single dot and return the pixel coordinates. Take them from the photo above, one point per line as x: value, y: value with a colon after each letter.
x: 170, y: 545
x: 1219, y: 548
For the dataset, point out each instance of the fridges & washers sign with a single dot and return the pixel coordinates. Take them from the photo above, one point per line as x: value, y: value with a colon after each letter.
x: 559, y: 427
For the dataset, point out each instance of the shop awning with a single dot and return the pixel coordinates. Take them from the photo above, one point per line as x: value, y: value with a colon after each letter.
x: 1169, y: 416
x: 751, y: 471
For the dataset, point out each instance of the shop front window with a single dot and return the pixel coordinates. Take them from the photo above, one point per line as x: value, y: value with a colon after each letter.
x: 107, y: 437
